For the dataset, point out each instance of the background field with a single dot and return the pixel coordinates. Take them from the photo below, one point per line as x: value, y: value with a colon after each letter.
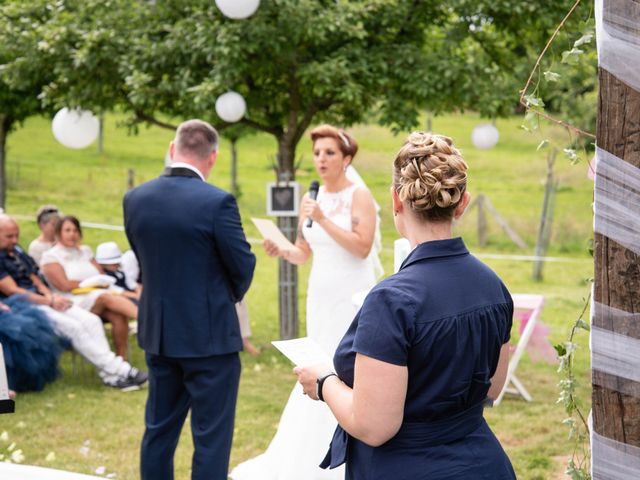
x: 77, y: 409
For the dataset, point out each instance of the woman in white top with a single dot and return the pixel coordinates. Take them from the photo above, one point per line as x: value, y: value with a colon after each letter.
x: 47, y: 218
x: 340, y: 240
x: 68, y: 263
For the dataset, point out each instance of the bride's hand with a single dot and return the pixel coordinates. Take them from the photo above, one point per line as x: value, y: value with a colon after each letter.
x: 311, y: 209
x: 272, y: 249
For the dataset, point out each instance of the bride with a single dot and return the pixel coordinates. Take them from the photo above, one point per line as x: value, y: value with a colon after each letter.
x: 341, y: 237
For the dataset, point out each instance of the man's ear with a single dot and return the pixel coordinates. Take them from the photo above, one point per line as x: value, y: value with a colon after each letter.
x: 172, y: 150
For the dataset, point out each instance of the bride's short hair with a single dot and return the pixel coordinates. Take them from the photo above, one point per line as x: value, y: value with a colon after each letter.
x: 346, y: 143
x: 430, y: 174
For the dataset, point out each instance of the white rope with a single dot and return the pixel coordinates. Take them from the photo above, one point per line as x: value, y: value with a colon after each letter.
x: 615, y: 460
x: 617, y: 200
x: 618, y: 40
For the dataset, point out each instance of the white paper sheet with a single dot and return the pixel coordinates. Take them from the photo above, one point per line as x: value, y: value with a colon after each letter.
x: 270, y: 231
x: 303, y: 351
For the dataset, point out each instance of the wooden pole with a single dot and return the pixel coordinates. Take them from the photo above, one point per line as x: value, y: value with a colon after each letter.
x: 546, y: 218
x: 131, y: 178
x: 100, y: 144
x: 617, y: 270
x: 234, y: 167
x: 482, y: 221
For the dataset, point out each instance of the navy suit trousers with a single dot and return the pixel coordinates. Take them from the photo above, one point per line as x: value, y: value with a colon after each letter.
x: 209, y: 387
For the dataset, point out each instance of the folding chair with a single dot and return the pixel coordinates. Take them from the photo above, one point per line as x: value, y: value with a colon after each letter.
x: 530, y: 303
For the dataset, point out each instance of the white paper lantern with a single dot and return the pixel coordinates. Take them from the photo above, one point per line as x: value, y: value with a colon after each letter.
x: 485, y: 136
x: 75, y: 128
x: 231, y: 107
x: 238, y: 9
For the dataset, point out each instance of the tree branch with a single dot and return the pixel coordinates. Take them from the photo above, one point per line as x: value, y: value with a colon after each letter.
x: 275, y: 131
x: 523, y: 102
x: 143, y: 117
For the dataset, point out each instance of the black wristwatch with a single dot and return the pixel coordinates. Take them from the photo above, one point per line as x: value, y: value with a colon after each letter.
x: 320, y: 384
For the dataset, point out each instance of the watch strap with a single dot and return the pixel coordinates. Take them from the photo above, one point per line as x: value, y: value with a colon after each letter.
x: 320, y: 383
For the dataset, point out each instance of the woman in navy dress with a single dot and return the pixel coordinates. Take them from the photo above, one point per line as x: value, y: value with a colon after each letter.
x: 428, y: 348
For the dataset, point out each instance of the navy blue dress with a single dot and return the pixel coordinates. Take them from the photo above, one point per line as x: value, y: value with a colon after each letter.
x: 445, y: 316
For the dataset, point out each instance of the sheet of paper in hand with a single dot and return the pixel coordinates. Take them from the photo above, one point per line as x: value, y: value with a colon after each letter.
x: 99, y: 281
x: 303, y: 351
x: 270, y: 231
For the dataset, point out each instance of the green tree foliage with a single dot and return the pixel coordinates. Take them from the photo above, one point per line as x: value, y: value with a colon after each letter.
x: 296, y: 62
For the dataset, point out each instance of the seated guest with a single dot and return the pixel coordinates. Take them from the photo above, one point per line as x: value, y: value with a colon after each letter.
x: 31, y: 347
x: 109, y: 258
x: 242, y: 310
x: 428, y: 347
x: 19, y: 276
x: 68, y: 263
x: 47, y: 218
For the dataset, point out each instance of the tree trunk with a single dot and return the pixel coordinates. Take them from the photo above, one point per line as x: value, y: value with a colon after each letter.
x: 616, y: 400
x: 287, y: 273
x: 100, y: 144
x: 5, y: 125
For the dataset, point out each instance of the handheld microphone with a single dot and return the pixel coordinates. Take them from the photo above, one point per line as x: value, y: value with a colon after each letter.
x: 313, y: 194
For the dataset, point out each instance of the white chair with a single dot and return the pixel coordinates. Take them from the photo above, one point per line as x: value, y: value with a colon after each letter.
x: 6, y: 404
x: 533, y: 304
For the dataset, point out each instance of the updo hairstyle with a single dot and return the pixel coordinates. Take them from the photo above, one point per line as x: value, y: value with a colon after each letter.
x: 430, y: 175
x: 346, y: 143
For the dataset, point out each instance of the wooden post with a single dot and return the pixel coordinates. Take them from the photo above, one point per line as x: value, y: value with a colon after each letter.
x: 100, y: 144
x: 515, y: 238
x: 131, y: 174
x: 482, y: 221
x: 546, y: 218
x: 5, y: 125
x: 617, y: 269
x: 287, y: 272
x: 234, y: 167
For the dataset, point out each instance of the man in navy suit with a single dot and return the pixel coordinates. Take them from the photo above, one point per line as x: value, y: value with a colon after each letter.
x: 196, y: 264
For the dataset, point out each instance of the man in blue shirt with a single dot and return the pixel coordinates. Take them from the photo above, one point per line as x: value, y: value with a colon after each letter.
x: 19, y: 276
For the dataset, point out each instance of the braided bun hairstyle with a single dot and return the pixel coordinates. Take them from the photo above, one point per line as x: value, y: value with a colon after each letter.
x: 346, y: 143
x: 430, y: 175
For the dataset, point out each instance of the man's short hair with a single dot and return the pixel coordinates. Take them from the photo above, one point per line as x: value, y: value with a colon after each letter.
x: 196, y: 138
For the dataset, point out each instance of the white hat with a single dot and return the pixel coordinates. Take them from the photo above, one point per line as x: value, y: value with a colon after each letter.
x: 108, y: 253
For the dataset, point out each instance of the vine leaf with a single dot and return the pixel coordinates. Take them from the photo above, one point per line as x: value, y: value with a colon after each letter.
x: 572, y: 56
x: 550, y: 76
x: 586, y: 38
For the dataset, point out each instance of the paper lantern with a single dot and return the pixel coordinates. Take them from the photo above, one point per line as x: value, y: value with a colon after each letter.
x: 231, y: 107
x: 238, y: 9
x: 75, y: 128
x: 485, y: 136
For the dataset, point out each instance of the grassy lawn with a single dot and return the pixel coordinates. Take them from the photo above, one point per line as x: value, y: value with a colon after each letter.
x: 86, y: 425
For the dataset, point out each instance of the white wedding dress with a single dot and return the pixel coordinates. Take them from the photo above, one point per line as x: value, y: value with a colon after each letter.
x: 306, y: 426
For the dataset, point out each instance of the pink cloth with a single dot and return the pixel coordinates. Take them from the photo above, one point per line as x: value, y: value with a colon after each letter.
x: 539, y: 347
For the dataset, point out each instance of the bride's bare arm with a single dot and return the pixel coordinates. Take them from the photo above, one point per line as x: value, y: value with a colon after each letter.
x: 300, y: 254
x: 359, y: 240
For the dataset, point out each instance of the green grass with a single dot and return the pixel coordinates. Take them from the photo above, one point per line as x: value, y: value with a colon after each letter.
x: 77, y: 408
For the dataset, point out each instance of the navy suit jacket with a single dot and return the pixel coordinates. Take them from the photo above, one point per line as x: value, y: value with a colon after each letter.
x: 195, y: 264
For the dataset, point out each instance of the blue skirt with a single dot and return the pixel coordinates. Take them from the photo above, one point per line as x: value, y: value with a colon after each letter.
x: 30, y: 346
